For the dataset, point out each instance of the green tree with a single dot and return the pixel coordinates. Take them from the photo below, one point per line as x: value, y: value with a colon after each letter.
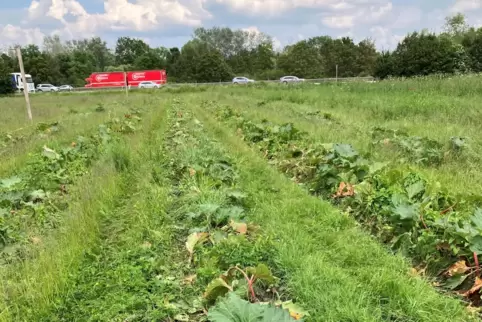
x: 6, y: 86
x: 300, y: 59
x: 456, y: 26
x: 384, y: 65
x: 472, y: 42
x: 366, y: 58
x: 155, y: 58
x: 427, y: 53
x: 127, y: 50
x: 199, y: 62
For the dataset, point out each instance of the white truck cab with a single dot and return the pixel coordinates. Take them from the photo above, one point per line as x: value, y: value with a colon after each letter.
x: 18, y: 83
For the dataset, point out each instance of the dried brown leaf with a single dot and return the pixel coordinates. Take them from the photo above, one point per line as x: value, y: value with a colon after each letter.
x: 458, y: 268
x: 475, y: 288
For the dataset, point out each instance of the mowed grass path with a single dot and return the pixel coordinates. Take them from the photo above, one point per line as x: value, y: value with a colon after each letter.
x: 432, y: 108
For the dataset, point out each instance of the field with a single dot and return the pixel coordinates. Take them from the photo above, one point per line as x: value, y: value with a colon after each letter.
x: 331, y: 202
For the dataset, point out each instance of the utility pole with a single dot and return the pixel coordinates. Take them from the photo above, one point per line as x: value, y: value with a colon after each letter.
x: 24, y: 81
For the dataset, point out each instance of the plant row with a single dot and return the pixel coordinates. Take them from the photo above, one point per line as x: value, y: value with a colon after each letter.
x: 407, y: 148
x: 440, y: 231
x: 34, y: 199
x: 229, y: 261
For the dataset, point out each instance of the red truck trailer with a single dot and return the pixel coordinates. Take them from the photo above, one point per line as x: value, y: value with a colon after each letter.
x: 117, y: 79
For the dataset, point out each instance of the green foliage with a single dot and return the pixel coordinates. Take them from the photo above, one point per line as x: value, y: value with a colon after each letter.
x: 6, y: 86
x: 235, y: 309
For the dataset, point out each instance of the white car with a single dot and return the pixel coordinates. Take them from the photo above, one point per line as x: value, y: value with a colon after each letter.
x: 242, y: 80
x: 66, y: 88
x: 148, y: 84
x: 47, y: 88
x: 291, y: 79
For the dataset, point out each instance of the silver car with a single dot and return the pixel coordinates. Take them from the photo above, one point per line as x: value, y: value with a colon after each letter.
x: 290, y: 79
x: 242, y: 80
x: 148, y: 84
x: 47, y: 88
x: 65, y: 88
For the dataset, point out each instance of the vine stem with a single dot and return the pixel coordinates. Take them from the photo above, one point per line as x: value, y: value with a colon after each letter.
x: 250, y: 282
x: 476, y: 259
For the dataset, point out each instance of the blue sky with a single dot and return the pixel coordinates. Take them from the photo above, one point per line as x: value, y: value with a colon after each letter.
x: 171, y: 22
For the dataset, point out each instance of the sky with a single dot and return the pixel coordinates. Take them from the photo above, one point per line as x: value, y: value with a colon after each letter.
x: 170, y: 23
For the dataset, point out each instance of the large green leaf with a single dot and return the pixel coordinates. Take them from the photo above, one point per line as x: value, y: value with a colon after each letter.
x: 234, y: 309
x: 477, y: 218
x: 10, y: 182
x: 415, y: 188
x: 262, y: 272
x: 217, y: 287
x: 345, y: 151
x: 406, y: 212
x: 476, y: 244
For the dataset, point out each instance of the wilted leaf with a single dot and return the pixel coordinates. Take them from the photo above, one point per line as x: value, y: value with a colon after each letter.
x: 49, y: 153
x: 193, y: 240
x: 344, y: 190
x: 192, y: 172
x: 475, y: 288
x: 273, y: 314
x: 36, y: 240
x: 241, y: 228
x: 217, y: 287
x: 190, y: 279
x: 458, y: 268
x: 296, y: 311
x: 181, y: 317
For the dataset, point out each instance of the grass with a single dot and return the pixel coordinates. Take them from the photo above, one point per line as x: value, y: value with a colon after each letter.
x: 120, y: 252
x: 432, y: 108
x: 76, y: 115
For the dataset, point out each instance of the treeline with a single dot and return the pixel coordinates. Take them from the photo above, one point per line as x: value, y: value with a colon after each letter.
x: 218, y: 54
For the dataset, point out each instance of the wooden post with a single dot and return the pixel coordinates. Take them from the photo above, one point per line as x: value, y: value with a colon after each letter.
x: 125, y: 83
x: 337, y: 73
x: 24, y: 81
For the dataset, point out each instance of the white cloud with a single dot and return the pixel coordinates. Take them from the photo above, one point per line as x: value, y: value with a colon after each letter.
x: 406, y: 17
x: 141, y: 15
x: 340, y: 21
x: 385, y: 38
x: 12, y: 35
x: 350, y: 16
x: 466, y: 5
x: 276, y: 7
